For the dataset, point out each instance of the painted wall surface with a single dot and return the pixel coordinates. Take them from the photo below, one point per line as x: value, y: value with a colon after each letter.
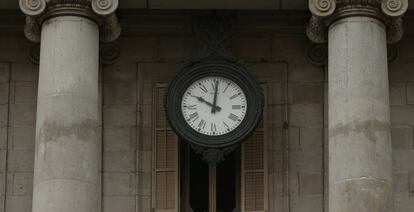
x: 296, y: 157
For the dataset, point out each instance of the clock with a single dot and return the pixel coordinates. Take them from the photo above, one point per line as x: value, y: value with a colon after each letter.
x: 214, y: 104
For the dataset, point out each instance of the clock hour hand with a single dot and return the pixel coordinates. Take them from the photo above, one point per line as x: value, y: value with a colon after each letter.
x: 201, y: 99
x: 213, y: 109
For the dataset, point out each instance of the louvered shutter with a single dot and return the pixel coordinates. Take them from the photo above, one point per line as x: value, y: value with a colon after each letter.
x: 254, y: 171
x: 165, y: 158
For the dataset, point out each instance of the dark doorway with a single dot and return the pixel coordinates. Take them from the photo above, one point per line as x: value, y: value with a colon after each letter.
x: 199, y: 183
x: 226, y: 184
x: 209, y: 189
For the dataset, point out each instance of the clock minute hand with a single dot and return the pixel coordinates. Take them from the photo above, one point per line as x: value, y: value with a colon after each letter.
x: 213, y: 109
x: 201, y: 99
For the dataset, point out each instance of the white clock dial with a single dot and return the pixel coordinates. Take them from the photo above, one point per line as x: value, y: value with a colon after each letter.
x: 214, y: 106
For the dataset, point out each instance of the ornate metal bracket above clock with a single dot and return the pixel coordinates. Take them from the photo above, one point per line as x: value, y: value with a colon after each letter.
x: 214, y: 102
x: 214, y: 34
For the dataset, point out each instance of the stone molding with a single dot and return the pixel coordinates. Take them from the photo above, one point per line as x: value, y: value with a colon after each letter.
x: 100, y: 11
x: 317, y: 54
x: 325, y: 12
x: 109, y: 53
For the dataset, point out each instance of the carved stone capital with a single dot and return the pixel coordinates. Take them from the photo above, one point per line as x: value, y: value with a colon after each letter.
x: 104, y: 7
x: 394, y: 8
x: 325, y: 12
x: 357, y: 3
x: 32, y: 29
x: 32, y: 7
x: 317, y: 54
x: 100, y: 11
x: 317, y: 30
x: 322, y: 8
x: 110, y: 28
x: 109, y: 53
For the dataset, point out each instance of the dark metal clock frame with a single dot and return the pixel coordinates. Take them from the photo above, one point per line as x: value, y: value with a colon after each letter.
x: 214, y: 60
x: 240, y: 76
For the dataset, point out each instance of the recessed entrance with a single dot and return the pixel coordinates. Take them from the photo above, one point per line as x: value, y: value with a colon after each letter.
x: 209, y: 189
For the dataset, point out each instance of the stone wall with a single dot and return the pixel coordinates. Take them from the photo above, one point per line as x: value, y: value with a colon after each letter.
x: 401, y: 79
x: 18, y: 91
x: 296, y: 96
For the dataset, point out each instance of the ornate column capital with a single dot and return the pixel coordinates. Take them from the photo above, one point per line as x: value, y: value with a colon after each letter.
x: 100, y: 11
x: 325, y: 12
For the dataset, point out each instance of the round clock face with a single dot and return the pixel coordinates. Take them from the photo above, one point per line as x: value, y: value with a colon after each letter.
x: 214, y: 106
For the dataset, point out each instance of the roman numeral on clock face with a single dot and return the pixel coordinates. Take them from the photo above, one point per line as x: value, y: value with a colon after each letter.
x: 192, y: 107
x: 203, y: 88
x: 233, y: 117
x: 193, y: 115
x: 202, y: 124
x: 213, y: 127
x: 227, y: 126
x: 234, y: 96
x: 236, y: 107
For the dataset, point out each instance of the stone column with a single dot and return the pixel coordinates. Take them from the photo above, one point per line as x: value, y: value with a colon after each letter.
x: 360, y: 172
x: 360, y: 152
x: 66, y: 170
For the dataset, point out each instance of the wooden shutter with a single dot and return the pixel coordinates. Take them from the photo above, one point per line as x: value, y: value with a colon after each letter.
x: 254, y: 171
x: 165, y: 158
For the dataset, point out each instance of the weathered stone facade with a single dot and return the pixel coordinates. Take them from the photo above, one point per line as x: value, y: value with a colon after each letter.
x: 150, y: 52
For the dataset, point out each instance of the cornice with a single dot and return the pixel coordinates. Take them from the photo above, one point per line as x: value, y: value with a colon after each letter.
x: 325, y: 12
x: 247, y: 22
x: 100, y: 11
x: 178, y: 22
